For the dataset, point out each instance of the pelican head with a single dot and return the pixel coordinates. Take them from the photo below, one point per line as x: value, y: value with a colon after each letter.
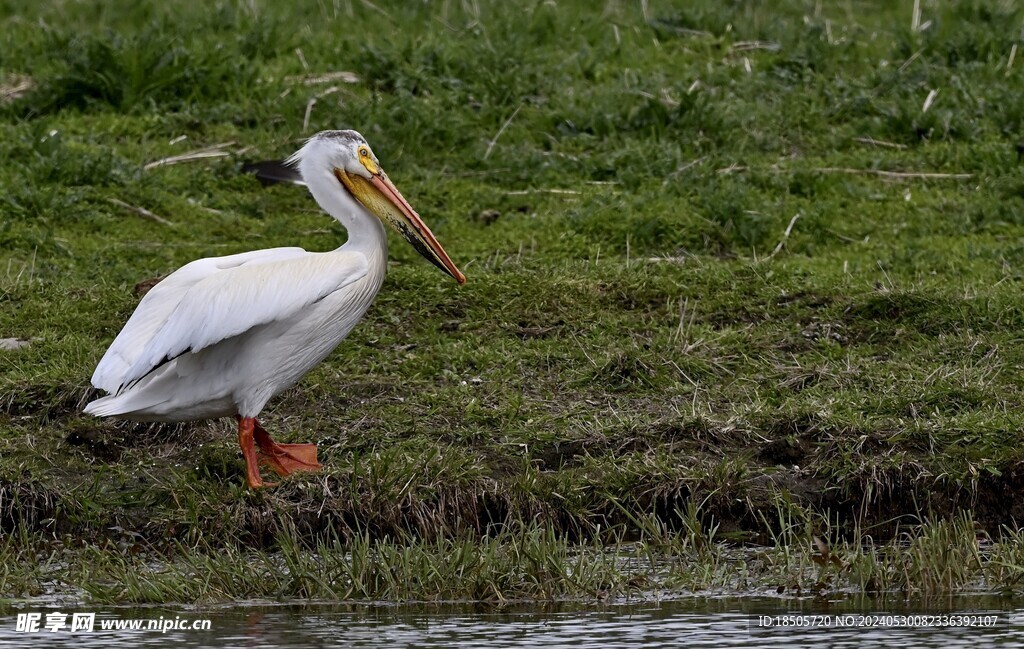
x: 347, y: 160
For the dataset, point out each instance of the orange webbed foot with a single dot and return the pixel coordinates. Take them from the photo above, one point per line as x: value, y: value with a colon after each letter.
x: 285, y: 459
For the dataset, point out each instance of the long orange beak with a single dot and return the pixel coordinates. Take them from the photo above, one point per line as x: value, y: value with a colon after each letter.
x: 380, y: 196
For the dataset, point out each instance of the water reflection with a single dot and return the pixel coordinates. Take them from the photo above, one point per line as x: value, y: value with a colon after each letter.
x: 695, y: 622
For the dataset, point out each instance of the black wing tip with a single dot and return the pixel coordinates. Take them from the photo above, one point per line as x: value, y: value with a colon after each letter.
x: 273, y: 172
x: 128, y: 385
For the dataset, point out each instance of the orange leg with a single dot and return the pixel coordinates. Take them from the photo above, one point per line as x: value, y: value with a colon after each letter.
x: 245, y: 440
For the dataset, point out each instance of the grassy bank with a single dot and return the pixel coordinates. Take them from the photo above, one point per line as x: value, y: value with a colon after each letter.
x: 521, y: 561
x: 724, y: 260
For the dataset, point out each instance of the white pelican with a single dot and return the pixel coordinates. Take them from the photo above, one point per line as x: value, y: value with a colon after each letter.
x: 221, y: 336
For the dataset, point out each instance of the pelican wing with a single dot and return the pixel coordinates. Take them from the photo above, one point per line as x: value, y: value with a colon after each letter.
x: 210, y: 300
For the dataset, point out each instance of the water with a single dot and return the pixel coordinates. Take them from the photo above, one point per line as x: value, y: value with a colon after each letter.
x: 695, y: 622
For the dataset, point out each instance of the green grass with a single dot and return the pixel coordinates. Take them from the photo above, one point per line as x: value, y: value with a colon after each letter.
x: 527, y: 561
x: 707, y: 278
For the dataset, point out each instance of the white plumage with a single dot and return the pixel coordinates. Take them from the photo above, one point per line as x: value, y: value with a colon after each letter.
x: 222, y: 336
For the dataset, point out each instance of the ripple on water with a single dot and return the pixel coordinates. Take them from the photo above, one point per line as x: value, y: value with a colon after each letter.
x: 695, y: 622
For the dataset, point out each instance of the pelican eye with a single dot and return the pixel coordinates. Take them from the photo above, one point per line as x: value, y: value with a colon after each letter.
x: 367, y: 160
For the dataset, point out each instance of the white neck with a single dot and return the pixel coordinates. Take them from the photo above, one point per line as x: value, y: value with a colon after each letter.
x: 365, y: 231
